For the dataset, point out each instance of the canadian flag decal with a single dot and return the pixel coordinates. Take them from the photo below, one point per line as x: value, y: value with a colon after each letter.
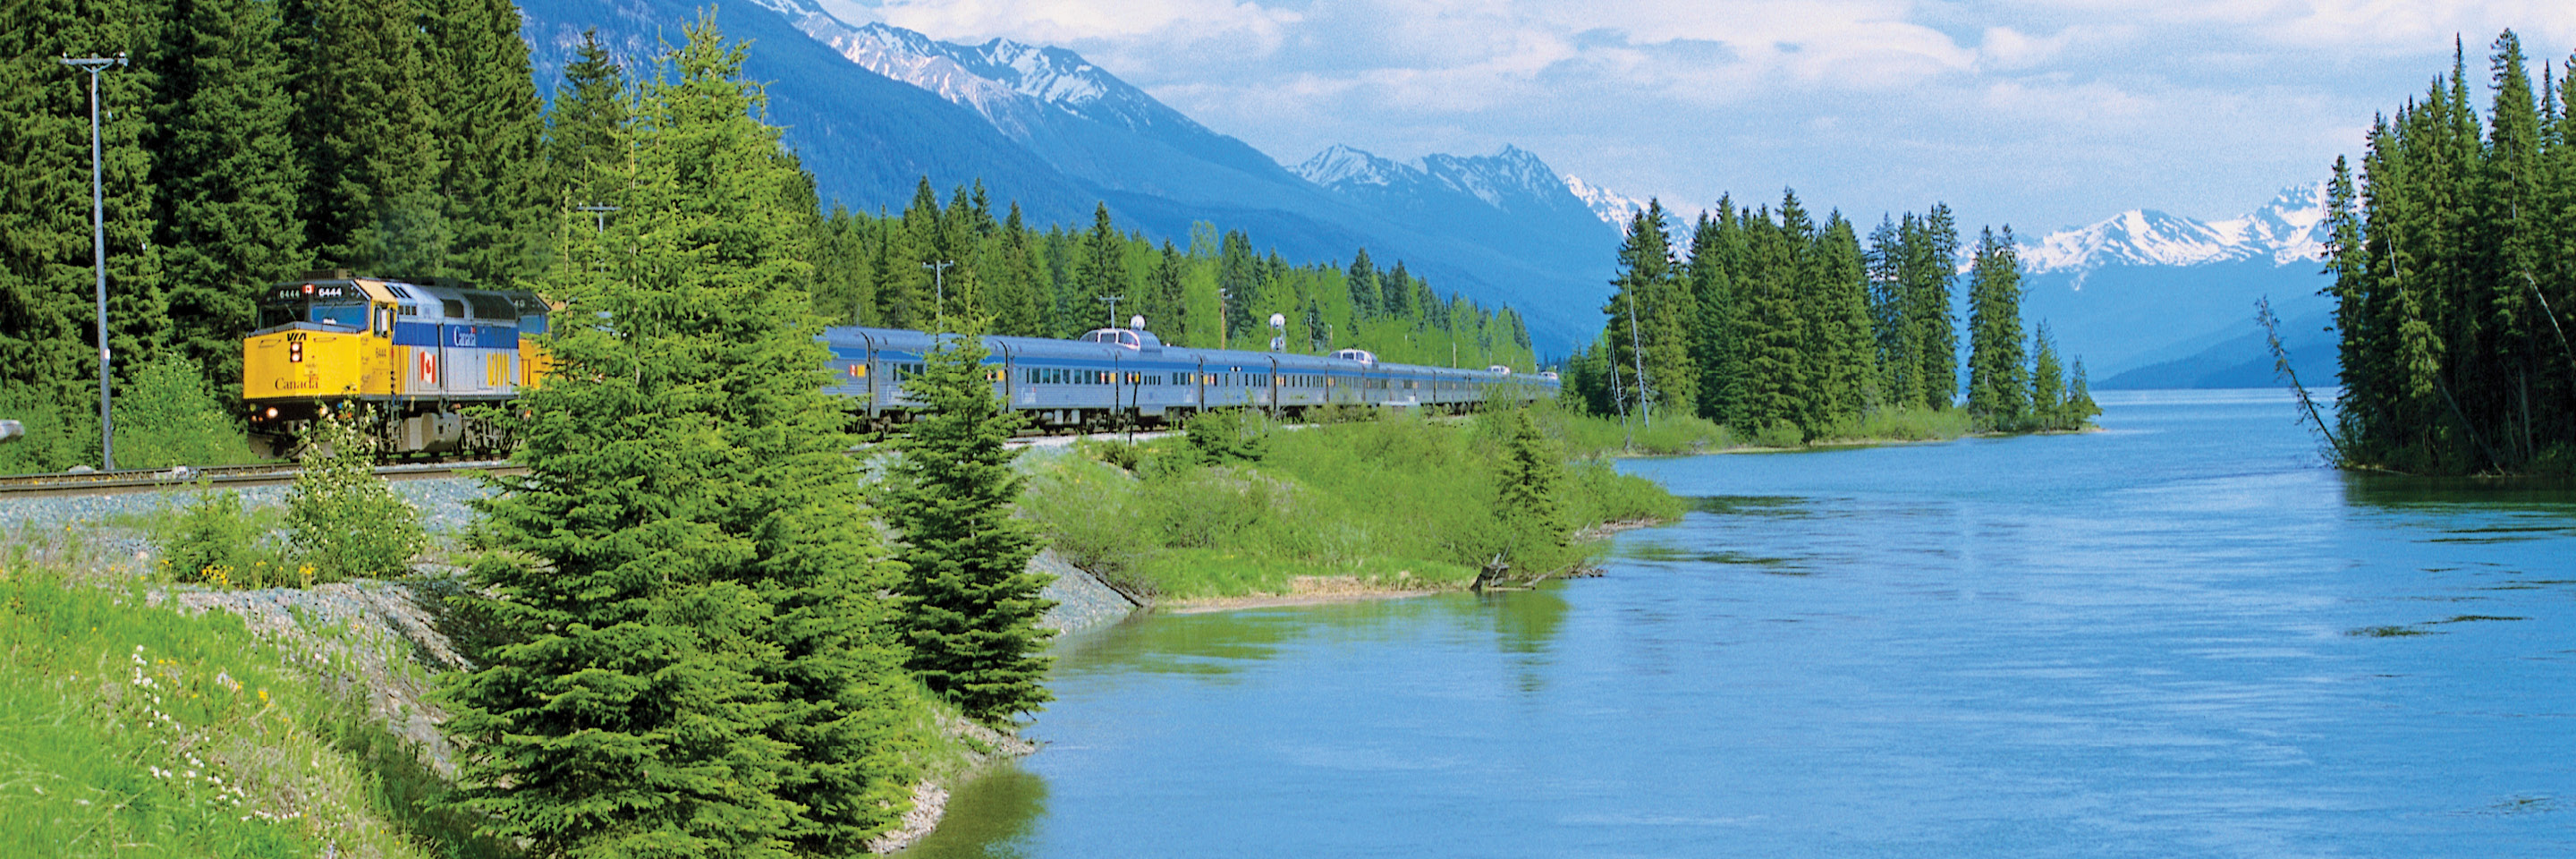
x: 429, y: 367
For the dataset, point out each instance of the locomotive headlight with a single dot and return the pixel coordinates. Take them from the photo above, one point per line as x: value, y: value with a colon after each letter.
x: 272, y: 413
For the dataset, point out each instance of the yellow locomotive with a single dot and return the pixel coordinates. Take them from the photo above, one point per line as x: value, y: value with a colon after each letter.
x: 415, y: 353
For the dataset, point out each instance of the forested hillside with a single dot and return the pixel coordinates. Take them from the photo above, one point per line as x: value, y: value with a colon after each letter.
x: 1790, y: 331
x: 2454, y: 263
x: 247, y: 142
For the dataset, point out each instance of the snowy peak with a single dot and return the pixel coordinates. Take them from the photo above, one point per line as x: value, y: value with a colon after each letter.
x: 1613, y: 208
x: 1340, y: 167
x: 1511, y: 179
x: 2288, y: 230
x: 999, y: 78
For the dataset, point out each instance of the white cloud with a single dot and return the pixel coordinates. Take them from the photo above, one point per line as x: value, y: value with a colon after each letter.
x: 2048, y: 111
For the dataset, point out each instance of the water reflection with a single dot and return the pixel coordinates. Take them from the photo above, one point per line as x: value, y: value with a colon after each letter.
x: 2178, y: 637
x: 992, y: 816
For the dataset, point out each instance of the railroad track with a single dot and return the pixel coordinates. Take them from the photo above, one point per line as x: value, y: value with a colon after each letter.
x: 114, y: 482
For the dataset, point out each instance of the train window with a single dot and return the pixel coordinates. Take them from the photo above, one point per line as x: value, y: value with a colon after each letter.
x: 455, y: 309
x: 489, y: 306
x: 351, y: 316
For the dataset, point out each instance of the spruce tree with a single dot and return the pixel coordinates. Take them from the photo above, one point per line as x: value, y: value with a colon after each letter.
x: 225, y: 174
x: 366, y: 138
x: 2048, y: 401
x: 1104, y: 270
x: 487, y: 119
x: 1527, y: 494
x: 1997, y: 390
x: 970, y: 604
x: 1364, y: 289
x: 696, y: 658
x: 48, y: 342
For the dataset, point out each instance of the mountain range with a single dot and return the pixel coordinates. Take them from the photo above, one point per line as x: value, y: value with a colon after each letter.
x: 2149, y: 299
x: 874, y: 109
x: 2156, y: 300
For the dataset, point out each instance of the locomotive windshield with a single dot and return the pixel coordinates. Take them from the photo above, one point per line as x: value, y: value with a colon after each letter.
x: 334, y: 304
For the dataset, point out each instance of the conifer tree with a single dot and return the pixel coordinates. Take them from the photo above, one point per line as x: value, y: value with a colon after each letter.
x: 2048, y: 401
x: 1997, y: 390
x: 48, y: 342
x: 1847, y: 373
x: 1650, y: 318
x: 1930, y: 272
x: 366, y: 137
x: 970, y: 604
x: 696, y: 659
x: 1527, y: 496
x: 585, y: 126
x: 1103, y: 272
x: 1364, y: 289
x: 225, y: 174
x: 487, y: 119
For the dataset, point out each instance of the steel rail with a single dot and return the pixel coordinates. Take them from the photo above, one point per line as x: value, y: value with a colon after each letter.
x: 269, y: 474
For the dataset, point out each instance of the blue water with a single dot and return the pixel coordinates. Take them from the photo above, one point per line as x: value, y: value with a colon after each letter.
x: 2180, y: 636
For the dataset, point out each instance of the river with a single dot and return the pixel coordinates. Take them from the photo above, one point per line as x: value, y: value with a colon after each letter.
x: 2180, y: 636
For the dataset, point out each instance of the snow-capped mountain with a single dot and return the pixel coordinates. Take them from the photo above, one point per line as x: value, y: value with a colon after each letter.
x: 1613, y: 208
x: 1511, y: 179
x: 2288, y: 230
x: 1510, y: 201
x: 2172, y: 298
x: 872, y: 110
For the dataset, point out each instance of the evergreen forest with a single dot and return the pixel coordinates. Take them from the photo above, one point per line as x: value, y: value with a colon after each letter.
x: 248, y: 141
x: 2453, y: 253
x: 1790, y: 331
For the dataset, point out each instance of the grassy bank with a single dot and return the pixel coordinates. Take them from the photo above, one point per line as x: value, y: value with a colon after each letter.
x: 130, y: 728
x: 1674, y: 435
x: 1392, y: 500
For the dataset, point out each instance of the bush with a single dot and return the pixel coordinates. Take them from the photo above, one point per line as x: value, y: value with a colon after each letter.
x: 341, y: 518
x: 56, y: 438
x: 216, y: 542
x: 1229, y: 435
x: 167, y: 415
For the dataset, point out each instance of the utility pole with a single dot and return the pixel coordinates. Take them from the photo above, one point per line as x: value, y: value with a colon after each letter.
x: 939, y: 282
x: 1222, y: 296
x: 98, y: 252
x: 1112, y: 301
x: 598, y: 214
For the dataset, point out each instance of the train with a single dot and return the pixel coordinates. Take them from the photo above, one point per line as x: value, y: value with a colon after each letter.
x: 421, y: 354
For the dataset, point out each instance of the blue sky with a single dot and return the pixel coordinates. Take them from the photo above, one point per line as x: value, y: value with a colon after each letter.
x: 2042, y: 115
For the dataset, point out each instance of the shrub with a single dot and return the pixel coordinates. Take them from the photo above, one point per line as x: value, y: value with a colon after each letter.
x: 167, y: 415
x: 216, y: 542
x: 341, y: 518
x: 56, y: 438
x: 1229, y: 435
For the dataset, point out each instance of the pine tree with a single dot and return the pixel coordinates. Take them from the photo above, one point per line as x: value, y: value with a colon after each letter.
x: 1103, y: 272
x: 48, y: 342
x: 2049, y: 404
x: 694, y: 662
x: 1364, y: 289
x: 1527, y: 491
x: 971, y: 605
x: 586, y: 126
x: 366, y: 137
x: 225, y: 174
x: 1847, y: 371
x: 1650, y: 318
x: 1930, y: 273
x: 1997, y: 390
x: 488, y: 123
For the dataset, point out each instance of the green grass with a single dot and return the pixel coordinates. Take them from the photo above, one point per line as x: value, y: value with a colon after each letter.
x: 133, y: 731
x: 1396, y: 500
